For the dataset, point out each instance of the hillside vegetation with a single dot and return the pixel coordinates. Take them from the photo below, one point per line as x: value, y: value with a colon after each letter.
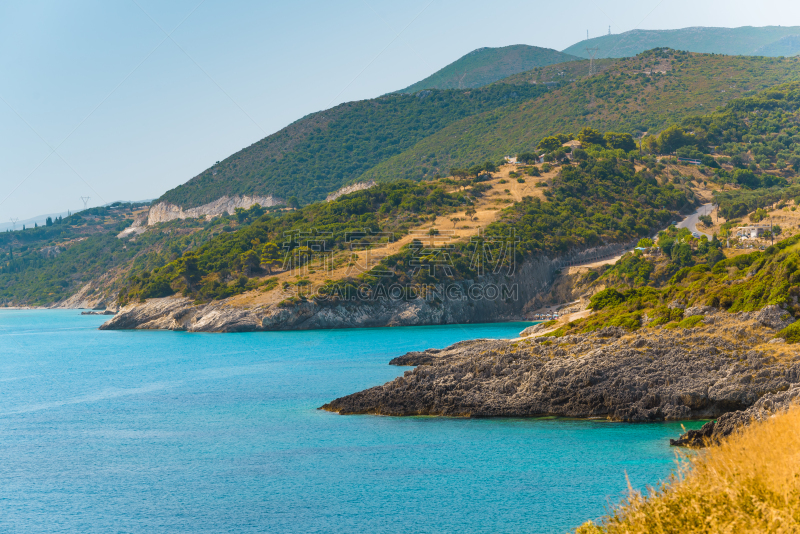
x: 46, y: 265
x: 425, y: 134
x: 486, y: 65
x: 744, y: 41
x: 624, y: 98
x: 748, y: 483
x: 322, y: 152
x: 230, y: 264
x: 600, y: 200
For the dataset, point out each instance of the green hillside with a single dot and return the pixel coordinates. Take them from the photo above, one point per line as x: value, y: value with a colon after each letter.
x: 604, y: 200
x: 623, y: 98
x: 486, y: 65
x: 744, y: 41
x: 323, y: 151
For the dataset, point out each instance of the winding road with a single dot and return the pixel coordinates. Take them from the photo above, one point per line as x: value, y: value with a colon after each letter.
x: 691, y: 221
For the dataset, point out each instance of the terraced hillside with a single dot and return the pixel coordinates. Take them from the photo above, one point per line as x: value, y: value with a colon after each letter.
x: 486, y: 65
x: 646, y: 93
x: 745, y: 41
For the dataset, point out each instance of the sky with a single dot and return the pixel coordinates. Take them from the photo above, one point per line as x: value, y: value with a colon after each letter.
x: 124, y: 100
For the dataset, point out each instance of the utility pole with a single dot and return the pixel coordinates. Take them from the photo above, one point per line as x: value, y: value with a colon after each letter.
x: 591, y: 52
x: 14, y: 222
x: 85, y: 201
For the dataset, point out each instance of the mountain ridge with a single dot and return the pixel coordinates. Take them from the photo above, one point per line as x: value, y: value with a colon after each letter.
x: 485, y: 65
x: 744, y: 41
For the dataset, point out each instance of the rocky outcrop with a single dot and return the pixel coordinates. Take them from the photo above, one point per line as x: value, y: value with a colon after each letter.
x: 178, y: 313
x: 730, y: 422
x: 346, y: 190
x: 88, y: 297
x: 139, y: 226
x: 651, y: 375
x: 51, y: 252
x: 164, y: 211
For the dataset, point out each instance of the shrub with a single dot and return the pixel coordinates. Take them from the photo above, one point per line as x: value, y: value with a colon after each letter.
x: 690, y: 322
x: 791, y: 333
x: 605, y: 299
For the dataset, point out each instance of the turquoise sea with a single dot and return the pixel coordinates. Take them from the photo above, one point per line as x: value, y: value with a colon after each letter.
x: 174, y: 432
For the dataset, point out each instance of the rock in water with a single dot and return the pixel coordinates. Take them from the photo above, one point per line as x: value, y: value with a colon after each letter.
x: 730, y: 422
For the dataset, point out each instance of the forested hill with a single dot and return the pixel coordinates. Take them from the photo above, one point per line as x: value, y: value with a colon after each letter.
x: 486, y: 65
x: 321, y: 152
x: 421, y: 135
x: 744, y: 41
x: 645, y: 93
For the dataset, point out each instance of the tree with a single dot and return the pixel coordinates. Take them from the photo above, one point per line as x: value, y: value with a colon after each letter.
x: 674, y: 138
x: 590, y: 136
x: 292, y: 202
x: 188, y: 268
x: 250, y: 262
x: 746, y: 178
x: 549, y: 143
x: 455, y: 221
x: 645, y: 242
x: 682, y: 254
x: 650, y: 144
x: 270, y: 256
x: 49, y: 222
x: 776, y: 230
x: 706, y: 220
x: 460, y: 174
x: 471, y: 213
x: 759, y: 215
x: 620, y: 141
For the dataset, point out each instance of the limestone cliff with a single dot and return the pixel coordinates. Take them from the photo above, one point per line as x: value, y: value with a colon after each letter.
x: 346, y: 190
x: 164, y: 211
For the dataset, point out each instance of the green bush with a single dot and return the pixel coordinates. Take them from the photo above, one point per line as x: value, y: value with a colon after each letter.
x: 791, y: 333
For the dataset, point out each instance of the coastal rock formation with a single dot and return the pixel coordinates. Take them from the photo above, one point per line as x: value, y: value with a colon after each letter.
x: 651, y: 375
x: 491, y: 298
x: 178, y: 313
x: 164, y: 211
x: 728, y: 423
x: 346, y: 190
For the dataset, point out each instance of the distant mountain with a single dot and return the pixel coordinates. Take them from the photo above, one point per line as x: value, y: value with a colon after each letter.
x: 486, y: 65
x: 744, y: 41
x: 42, y: 219
x: 786, y: 46
x: 321, y: 152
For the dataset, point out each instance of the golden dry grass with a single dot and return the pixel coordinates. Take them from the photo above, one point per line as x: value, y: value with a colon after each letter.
x: 750, y: 483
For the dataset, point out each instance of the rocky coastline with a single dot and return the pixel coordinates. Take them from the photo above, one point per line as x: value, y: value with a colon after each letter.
x: 512, y: 298
x: 725, y: 365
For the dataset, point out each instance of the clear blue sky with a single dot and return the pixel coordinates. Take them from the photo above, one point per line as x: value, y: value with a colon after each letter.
x: 132, y: 112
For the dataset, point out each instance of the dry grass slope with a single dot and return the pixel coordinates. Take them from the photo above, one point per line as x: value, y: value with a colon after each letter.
x: 748, y: 483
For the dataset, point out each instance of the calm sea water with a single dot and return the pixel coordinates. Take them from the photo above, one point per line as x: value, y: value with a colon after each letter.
x: 173, y: 432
